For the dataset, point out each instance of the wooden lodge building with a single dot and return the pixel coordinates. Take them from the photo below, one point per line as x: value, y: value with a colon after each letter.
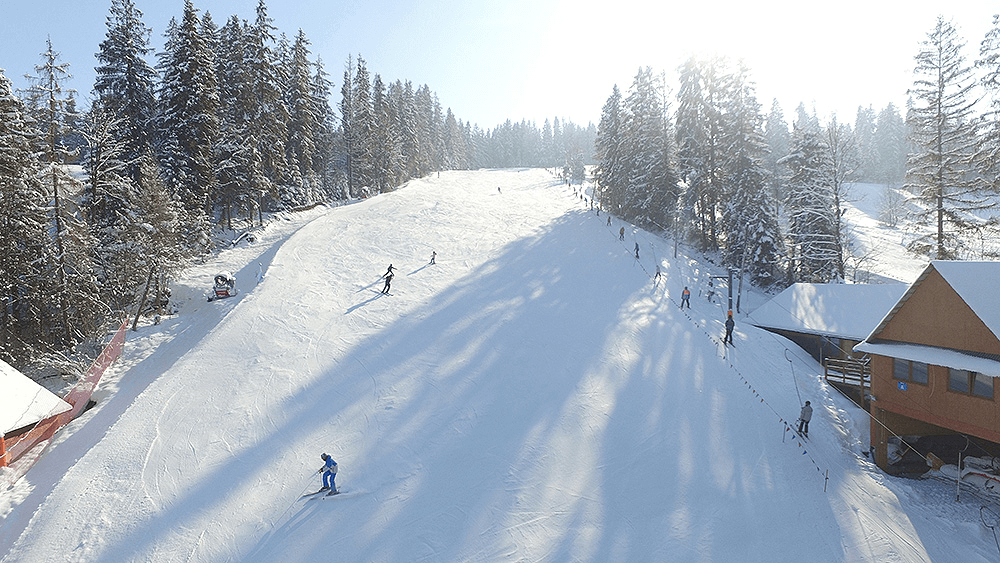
x: 935, y: 357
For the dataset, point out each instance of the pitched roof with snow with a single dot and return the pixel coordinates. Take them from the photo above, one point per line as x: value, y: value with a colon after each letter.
x: 837, y: 310
x: 24, y: 402
x: 978, y: 284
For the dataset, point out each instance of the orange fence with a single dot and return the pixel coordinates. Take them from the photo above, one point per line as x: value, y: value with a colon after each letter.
x: 78, y: 397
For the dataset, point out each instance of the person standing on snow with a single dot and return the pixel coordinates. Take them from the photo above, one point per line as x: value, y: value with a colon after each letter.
x: 804, y: 417
x: 433, y: 255
x: 686, y: 298
x: 388, y: 280
x: 730, y: 324
x: 636, y: 251
x: 621, y: 233
x: 329, y: 471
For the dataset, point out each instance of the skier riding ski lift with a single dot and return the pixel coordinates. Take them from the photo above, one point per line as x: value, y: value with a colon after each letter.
x: 225, y: 286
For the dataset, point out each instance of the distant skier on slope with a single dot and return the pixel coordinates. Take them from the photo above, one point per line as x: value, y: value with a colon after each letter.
x: 730, y: 324
x: 433, y: 256
x: 686, y: 298
x: 329, y: 471
x: 621, y: 233
x: 804, y: 417
x: 388, y: 279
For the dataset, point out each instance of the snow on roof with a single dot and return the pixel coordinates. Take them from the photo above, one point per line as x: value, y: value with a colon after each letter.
x: 931, y: 355
x: 837, y: 310
x: 978, y: 284
x: 24, y: 402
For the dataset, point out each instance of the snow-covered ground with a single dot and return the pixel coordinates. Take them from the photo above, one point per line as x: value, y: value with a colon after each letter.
x: 533, y: 396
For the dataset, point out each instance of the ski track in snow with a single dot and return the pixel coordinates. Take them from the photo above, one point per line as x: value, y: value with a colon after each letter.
x: 532, y: 396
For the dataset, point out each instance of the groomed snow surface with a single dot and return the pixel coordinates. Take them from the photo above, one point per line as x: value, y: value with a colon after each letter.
x: 532, y: 396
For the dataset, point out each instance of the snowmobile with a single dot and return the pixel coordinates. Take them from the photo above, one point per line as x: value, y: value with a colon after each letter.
x: 225, y: 286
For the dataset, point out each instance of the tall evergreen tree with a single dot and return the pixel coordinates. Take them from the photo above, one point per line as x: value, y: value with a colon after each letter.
x: 74, y: 294
x: 778, y: 141
x: 304, y: 119
x: 753, y: 241
x: 268, y: 114
x: 23, y: 231
x: 125, y: 82
x: 943, y: 135
x: 890, y: 147
x: 813, y: 249
x: 988, y: 156
x: 189, y: 119
x: 652, y: 182
x: 363, y: 127
x: 611, y: 171
x: 701, y: 130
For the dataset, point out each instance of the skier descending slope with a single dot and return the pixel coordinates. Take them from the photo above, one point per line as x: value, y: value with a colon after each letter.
x: 388, y: 279
x: 329, y: 471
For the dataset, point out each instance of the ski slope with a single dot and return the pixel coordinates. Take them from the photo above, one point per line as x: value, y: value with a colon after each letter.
x: 533, y: 396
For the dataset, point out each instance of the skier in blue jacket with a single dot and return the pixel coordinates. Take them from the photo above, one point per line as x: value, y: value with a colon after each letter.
x: 329, y: 471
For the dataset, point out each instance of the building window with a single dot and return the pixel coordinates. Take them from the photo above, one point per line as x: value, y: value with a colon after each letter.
x: 905, y: 370
x: 970, y: 383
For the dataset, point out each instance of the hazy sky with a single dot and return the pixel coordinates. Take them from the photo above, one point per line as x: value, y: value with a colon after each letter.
x: 537, y: 59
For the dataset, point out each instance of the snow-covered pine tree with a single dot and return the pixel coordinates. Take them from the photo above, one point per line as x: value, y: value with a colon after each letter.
x: 189, y: 121
x: 386, y: 138
x: 844, y: 161
x: 23, y: 233
x: 125, y: 82
x: 812, y: 238
x: 701, y: 128
x: 890, y: 147
x: 327, y: 154
x: 109, y: 205
x: 303, y: 121
x: 864, y: 137
x: 363, y: 133
x: 988, y: 155
x: 749, y: 222
x: 406, y: 124
x: 267, y: 112
x: 778, y: 140
x: 73, y: 295
x: 940, y: 171
x: 610, y: 154
x: 454, y: 143
x: 548, y: 147
x: 652, y: 182
x: 241, y: 184
x: 423, y: 106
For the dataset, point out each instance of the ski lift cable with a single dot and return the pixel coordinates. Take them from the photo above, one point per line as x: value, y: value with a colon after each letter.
x: 794, y: 380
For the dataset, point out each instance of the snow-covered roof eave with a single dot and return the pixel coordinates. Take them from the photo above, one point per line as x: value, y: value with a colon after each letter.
x: 932, y: 356
x: 24, y: 402
x: 804, y: 330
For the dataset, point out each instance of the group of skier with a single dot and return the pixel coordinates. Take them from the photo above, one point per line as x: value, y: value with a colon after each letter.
x: 329, y: 469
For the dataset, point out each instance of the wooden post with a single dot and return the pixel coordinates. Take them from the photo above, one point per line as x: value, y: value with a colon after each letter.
x: 142, y: 302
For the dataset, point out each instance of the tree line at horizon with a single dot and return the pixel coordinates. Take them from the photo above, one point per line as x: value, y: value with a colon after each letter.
x: 232, y: 121
x: 710, y: 167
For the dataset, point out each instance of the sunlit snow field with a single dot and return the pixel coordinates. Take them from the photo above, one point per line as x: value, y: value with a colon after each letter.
x: 535, y: 395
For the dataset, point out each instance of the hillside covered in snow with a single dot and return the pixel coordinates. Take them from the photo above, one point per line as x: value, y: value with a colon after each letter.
x: 535, y: 395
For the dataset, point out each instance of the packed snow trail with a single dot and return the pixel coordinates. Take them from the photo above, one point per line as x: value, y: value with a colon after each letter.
x: 531, y: 396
